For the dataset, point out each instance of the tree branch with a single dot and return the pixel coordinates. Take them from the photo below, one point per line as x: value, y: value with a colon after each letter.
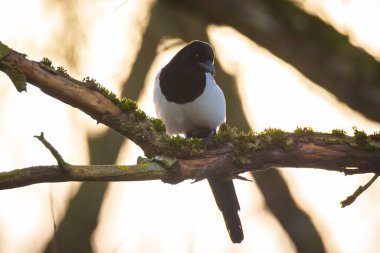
x: 350, y: 199
x: 62, y: 165
x: 52, y: 173
x: 174, y: 159
x: 258, y: 152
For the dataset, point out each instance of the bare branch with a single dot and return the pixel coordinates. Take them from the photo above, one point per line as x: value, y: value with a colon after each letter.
x: 61, y: 163
x: 350, y: 199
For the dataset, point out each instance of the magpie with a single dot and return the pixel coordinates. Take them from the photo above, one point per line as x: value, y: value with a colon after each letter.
x: 188, y: 101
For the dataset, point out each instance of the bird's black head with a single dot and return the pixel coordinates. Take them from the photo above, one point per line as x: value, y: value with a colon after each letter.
x: 183, y: 79
x: 196, y: 54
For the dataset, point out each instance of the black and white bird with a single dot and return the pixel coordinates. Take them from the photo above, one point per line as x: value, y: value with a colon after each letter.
x: 188, y: 101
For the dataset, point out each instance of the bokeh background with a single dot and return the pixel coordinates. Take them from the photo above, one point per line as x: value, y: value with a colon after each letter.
x: 280, y: 63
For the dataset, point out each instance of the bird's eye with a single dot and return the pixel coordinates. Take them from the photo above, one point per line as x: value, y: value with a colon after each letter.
x: 196, y: 56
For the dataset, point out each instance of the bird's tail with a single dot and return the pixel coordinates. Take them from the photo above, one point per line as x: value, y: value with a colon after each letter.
x: 228, y: 204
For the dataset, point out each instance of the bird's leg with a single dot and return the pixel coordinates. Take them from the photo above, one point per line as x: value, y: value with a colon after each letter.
x: 209, y: 135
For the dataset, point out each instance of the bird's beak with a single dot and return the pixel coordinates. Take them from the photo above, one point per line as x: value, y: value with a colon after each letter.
x: 207, y: 66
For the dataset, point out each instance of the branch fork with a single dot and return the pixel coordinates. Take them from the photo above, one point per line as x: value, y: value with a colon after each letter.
x: 62, y: 165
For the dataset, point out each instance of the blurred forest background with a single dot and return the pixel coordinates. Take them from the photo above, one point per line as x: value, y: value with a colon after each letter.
x: 280, y: 64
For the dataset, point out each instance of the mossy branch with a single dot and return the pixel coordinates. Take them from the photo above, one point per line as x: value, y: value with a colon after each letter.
x: 87, y: 95
x: 174, y: 159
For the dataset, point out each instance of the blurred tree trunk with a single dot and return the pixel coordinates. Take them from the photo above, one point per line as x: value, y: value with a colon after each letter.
x: 80, y: 221
x: 294, y: 220
x: 313, y: 47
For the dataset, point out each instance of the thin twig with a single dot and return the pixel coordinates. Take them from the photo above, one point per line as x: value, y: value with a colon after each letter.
x: 362, y: 188
x: 62, y: 165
